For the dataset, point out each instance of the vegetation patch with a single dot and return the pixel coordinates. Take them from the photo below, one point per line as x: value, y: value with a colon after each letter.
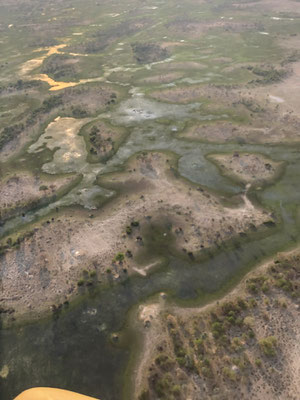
x: 146, y: 53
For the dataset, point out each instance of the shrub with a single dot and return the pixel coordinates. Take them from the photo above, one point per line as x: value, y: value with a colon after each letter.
x: 217, y: 329
x: 258, y: 362
x: 252, y: 287
x: 284, y: 284
x: 268, y: 345
x: 176, y: 389
x: 144, y: 395
x: 120, y: 257
x: 229, y: 373
x: 135, y: 223
x: 242, y: 303
x: 199, y: 344
x: 252, y: 303
x: 164, y: 362
x: 265, y: 287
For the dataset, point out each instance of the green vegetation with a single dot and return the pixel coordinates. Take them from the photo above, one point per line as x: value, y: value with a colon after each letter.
x: 61, y: 66
x: 120, y: 257
x: 268, y: 345
x: 258, y: 362
x: 9, y: 133
x: 146, y: 53
x: 80, y: 282
x: 267, y: 74
x: 19, y: 85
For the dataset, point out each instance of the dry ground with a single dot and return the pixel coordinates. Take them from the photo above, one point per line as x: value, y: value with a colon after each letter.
x: 22, y: 190
x: 247, y: 168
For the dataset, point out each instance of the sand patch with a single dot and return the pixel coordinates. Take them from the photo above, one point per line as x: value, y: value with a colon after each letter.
x: 247, y: 168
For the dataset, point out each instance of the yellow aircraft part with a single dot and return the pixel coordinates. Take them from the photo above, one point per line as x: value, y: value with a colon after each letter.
x: 44, y: 393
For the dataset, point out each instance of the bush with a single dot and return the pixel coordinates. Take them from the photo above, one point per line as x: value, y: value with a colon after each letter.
x: 268, y: 345
x: 252, y: 287
x: 217, y: 329
x: 120, y: 257
x: 135, y: 223
x: 258, y: 362
x: 9, y: 133
x: 284, y: 284
x: 164, y: 362
x: 229, y: 373
x: 144, y: 395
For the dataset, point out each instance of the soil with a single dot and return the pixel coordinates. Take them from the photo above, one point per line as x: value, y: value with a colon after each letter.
x: 22, y: 190
x: 247, y: 168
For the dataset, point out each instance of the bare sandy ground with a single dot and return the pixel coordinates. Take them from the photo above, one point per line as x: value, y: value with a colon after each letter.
x: 45, y: 269
x: 180, y: 65
x: 247, y: 168
x: 285, y: 93
x: 20, y: 190
x: 162, y: 78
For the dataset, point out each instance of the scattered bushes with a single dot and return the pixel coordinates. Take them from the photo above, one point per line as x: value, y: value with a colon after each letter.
x: 9, y: 133
x: 267, y: 74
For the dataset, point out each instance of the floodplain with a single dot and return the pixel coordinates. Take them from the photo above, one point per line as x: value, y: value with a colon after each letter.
x: 149, y: 198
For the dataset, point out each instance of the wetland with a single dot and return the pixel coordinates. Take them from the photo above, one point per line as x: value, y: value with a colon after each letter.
x: 149, y: 176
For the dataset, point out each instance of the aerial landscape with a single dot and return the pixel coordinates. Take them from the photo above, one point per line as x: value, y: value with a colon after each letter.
x: 150, y: 199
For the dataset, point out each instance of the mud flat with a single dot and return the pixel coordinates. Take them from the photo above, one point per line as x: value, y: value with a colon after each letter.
x: 68, y: 251
x: 244, y: 346
x: 247, y: 168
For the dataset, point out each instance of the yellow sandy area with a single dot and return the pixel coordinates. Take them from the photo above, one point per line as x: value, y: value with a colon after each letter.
x: 51, y: 394
x: 30, y: 65
x: 62, y: 85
